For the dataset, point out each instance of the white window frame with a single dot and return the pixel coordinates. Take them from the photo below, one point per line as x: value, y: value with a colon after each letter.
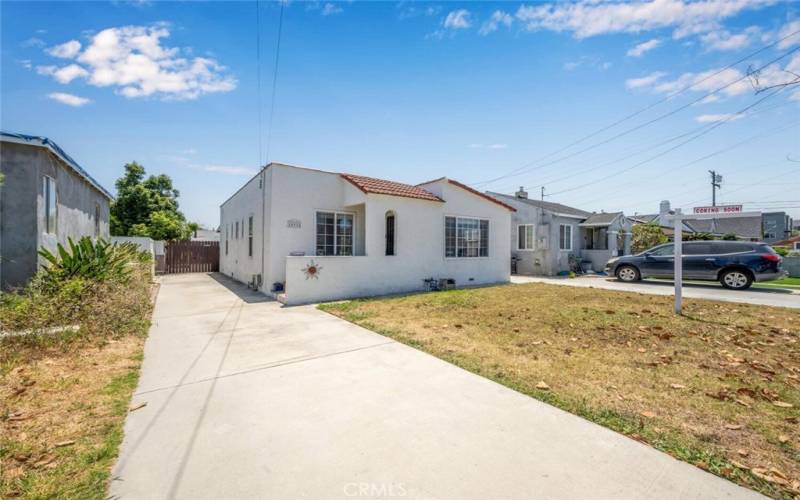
x: 335, y: 232
x: 571, y: 236
x: 532, y: 246
x: 457, y: 217
x: 797, y: 245
x: 49, y: 190
x: 250, y: 225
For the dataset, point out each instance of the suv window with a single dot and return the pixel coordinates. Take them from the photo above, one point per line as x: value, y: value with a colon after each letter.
x: 661, y: 251
x: 697, y: 249
x: 735, y: 248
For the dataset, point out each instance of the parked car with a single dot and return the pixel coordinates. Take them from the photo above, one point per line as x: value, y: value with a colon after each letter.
x: 735, y: 264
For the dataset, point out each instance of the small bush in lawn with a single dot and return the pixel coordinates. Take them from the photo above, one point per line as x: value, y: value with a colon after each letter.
x: 87, y: 259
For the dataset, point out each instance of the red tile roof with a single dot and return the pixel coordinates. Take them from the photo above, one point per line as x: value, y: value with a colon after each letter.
x: 391, y: 188
x: 786, y: 242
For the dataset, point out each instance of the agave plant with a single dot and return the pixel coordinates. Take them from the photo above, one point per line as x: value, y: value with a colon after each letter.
x: 97, y: 260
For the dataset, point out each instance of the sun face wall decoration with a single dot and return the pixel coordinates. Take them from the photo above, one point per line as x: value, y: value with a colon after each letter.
x: 312, y: 270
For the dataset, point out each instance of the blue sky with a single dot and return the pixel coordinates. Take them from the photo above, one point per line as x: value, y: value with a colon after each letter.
x: 409, y: 91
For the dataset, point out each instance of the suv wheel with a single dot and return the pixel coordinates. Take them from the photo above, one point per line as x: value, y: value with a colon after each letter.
x: 736, y: 279
x: 628, y: 274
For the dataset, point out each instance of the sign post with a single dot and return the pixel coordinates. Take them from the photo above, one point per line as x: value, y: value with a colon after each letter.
x: 678, y: 255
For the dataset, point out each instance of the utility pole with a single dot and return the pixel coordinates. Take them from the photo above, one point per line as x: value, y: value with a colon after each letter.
x: 542, y: 193
x: 716, y: 181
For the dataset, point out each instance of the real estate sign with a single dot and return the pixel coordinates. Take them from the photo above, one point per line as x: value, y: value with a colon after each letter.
x: 719, y: 209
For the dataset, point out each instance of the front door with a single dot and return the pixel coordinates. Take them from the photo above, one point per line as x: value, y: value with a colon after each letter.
x: 659, y: 262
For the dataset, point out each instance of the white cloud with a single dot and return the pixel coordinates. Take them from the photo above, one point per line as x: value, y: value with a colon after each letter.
x: 65, y: 74
x: 785, y: 31
x: 33, y: 42
x: 457, y: 19
x: 330, y: 8
x: 497, y: 19
x: 723, y: 117
x: 66, y: 50
x: 587, y: 61
x: 590, y: 18
x: 644, y: 81
x: 488, y: 146
x: 707, y: 81
x: 69, y: 99
x: 227, y: 169
x: 133, y: 60
x: 640, y: 49
x: 725, y: 40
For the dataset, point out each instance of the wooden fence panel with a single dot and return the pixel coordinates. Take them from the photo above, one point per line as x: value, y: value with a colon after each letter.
x: 191, y: 257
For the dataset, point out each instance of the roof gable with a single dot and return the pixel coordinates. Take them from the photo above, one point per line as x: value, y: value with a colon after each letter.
x: 44, y: 142
x: 390, y: 188
x: 550, y: 206
x: 482, y: 195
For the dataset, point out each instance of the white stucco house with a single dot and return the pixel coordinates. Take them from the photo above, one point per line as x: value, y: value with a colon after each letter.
x: 303, y: 235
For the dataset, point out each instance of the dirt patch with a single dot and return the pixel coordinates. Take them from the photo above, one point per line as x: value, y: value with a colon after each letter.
x: 64, y: 397
x: 718, y: 387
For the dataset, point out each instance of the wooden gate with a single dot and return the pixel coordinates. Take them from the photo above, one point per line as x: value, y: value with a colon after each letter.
x: 191, y: 257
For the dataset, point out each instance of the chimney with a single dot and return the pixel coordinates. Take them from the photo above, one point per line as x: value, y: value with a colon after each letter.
x: 521, y: 193
x: 664, y: 208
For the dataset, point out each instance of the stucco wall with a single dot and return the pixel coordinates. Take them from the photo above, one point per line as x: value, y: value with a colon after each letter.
x: 792, y: 266
x: 546, y: 258
x: 18, y: 223
x: 296, y: 195
x: 23, y: 209
x: 235, y: 260
x: 419, y: 251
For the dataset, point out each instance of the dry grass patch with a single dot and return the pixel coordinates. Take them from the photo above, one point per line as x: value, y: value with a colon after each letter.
x: 718, y: 387
x: 64, y: 397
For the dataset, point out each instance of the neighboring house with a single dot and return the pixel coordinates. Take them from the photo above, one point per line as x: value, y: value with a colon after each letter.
x: 45, y: 198
x: 201, y: 234
x: 792, y: 243
x: 745, y: 225
x: 776, y: 226
x: 305, y: 235
x: 545, y: 234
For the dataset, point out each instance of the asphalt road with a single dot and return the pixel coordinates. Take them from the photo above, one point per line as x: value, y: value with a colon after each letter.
x: 710, y: 291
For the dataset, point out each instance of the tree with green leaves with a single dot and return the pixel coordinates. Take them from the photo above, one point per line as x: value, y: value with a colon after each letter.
x: 647, y: 236
x: 147, y: 206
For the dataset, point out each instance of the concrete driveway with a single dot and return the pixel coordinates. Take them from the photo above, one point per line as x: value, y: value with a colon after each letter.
x: 248, y: 399
x: 710, y: 291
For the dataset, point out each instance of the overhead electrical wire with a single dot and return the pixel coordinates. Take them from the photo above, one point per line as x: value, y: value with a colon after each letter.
x: 718, y: 152
x: 649, y: 148
x: 274, y: 81
x: 258, y: 84
x: 673, y: 148
x: 531, y: 166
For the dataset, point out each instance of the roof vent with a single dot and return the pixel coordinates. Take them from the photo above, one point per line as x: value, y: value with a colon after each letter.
x: 521, y: 193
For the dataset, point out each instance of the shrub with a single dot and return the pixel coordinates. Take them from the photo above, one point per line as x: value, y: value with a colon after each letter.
x: 782, y: 251
x: 87, y: 259
x: 729, y: 237
x: 647, y: 236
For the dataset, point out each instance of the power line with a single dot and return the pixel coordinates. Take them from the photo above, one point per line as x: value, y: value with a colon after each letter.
x: 526, y: 168
x: 274, y: 81
x: 705, y: 157
x: 667, y: 141
x: 659, y: 155
x: 258, y: 79
x: 749, y: 186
